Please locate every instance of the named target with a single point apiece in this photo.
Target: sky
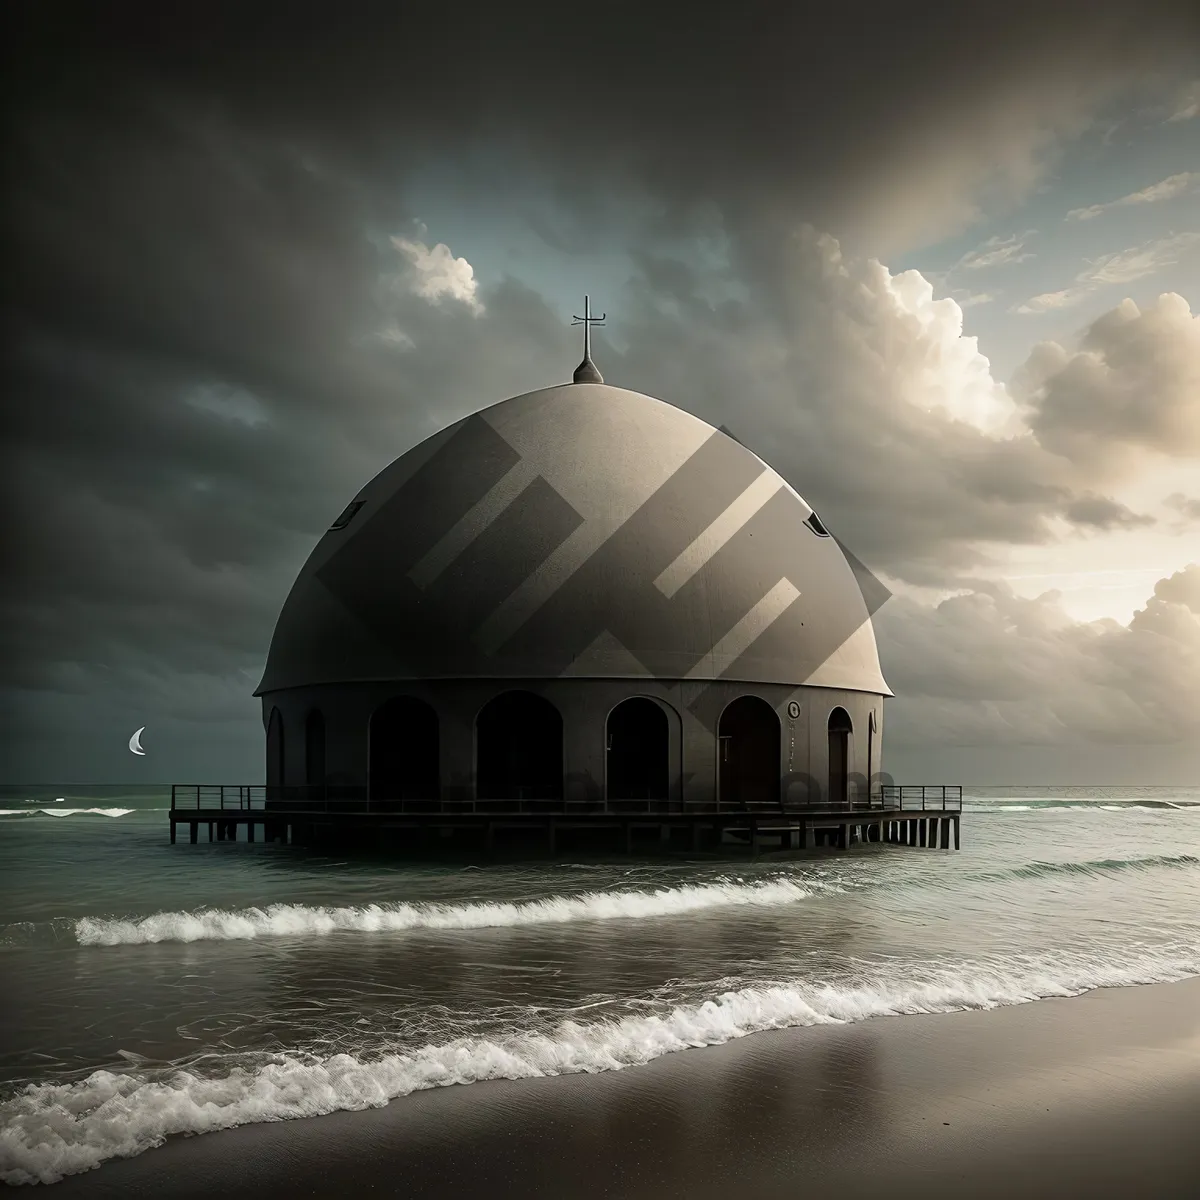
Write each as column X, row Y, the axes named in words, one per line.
column 938, row 264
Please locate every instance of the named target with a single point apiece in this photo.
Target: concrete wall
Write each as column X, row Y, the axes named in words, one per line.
column 693, row 711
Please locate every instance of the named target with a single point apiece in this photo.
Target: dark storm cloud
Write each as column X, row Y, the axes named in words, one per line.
column 1099, row 512
column 993, row 667
column 754, row 105
column 213, row 342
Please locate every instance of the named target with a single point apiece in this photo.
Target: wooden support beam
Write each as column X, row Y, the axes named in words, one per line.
column 250, row 831
column 172, row 833
column 956, row 841
column 193, row 831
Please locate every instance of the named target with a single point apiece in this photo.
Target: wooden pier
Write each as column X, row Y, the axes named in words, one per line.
column 922, row 816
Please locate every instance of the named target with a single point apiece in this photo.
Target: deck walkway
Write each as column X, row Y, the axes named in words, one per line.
column 914, row 816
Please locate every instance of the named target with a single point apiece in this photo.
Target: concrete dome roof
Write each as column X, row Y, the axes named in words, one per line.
column 581, row 530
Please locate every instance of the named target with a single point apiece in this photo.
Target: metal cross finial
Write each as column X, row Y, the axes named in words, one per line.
column 587, row 321
column 586, row 371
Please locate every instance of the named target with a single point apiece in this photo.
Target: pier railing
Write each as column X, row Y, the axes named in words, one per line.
column 334, row 798
column 923, row 796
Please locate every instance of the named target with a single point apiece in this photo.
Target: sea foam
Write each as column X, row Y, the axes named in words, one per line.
column 53, row 1130
column 65, row 812
column 288, row 920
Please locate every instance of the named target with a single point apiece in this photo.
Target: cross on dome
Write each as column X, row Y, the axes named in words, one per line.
column 586, row 372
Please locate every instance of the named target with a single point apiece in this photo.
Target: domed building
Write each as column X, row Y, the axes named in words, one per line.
column 578, row 594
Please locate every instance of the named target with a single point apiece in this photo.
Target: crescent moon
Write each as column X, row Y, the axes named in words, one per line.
column 134, row 744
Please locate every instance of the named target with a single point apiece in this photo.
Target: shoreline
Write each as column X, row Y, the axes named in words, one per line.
column 1095, row 1094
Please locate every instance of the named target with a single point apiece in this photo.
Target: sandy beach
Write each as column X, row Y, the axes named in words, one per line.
column 1097, row 1095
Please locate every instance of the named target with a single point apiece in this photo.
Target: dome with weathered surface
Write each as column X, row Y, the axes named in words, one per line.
column 581, row 530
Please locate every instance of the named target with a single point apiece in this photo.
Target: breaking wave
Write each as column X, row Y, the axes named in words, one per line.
column 1081, row 806
column 287, row 920
column 298, row 920
column 53, row 1130
column 1103, row 866
column 68, row 812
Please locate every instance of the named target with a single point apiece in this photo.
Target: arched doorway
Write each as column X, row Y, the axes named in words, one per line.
column 275, row 755
column 403, row 753
column 840, row 728
column 637, row 751
column 748, row 741
column 314, row 749
column 519, row 749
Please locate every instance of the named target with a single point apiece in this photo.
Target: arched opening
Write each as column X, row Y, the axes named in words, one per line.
column 403, row 754
column 840, row 728
column 748, row 741
column 519, row 749
column 637, row 751
column 314, row 748
column 275, row 757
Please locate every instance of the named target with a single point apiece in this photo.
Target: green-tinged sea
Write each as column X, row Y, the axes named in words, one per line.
column 152, row 989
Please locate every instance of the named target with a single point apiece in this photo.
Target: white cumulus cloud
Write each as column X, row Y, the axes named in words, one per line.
column 1133, row 384
column 439, row 274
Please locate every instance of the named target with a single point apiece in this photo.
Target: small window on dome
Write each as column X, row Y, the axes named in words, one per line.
column 347, row 516
column 814, row 523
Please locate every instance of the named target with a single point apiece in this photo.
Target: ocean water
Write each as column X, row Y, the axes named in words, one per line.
column 152, row 990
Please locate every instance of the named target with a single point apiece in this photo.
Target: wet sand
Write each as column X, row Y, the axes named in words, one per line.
column 1096, row 1096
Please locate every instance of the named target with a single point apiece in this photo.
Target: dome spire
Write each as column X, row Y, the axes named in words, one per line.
column 586, row 372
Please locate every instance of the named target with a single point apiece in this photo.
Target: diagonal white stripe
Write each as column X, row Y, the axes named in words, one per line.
column 472, row 523
column 718, row 533
column 743, row 635
column 558, row 567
